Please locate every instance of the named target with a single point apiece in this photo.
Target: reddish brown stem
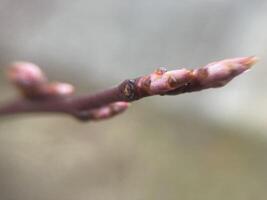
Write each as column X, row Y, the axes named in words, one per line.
column 40, row 96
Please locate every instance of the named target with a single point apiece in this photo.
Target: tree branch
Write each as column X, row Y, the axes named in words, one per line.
column 39, row 95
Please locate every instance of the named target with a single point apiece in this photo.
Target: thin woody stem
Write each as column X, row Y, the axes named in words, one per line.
column 40, row 96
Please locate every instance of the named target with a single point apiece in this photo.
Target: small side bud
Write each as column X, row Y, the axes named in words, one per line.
column 56, row 89
column 103, row 112
column 25, row 75
column 109, row 111
column 33, row 84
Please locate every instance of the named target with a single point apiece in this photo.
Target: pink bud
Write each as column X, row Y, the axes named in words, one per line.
column 159, row 83
column 109, row 110
column 25, row 74
column 56, row 89
column 219, row 73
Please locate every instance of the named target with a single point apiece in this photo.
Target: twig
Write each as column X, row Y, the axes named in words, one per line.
column 41, row 96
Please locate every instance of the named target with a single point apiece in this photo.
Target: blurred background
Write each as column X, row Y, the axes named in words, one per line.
column 206, row 145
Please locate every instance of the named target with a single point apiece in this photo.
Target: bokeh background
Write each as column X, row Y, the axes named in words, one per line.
column 206, row 145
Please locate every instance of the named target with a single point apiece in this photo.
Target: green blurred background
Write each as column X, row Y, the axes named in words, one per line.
column 207, row 145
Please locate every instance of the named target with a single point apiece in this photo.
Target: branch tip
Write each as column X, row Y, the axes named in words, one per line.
column 43, row 96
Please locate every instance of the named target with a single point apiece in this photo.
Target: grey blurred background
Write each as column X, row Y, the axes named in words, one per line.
column 206, row 145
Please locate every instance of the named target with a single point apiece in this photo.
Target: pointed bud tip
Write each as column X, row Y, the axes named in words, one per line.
column 248, row 61
column 241, row 64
